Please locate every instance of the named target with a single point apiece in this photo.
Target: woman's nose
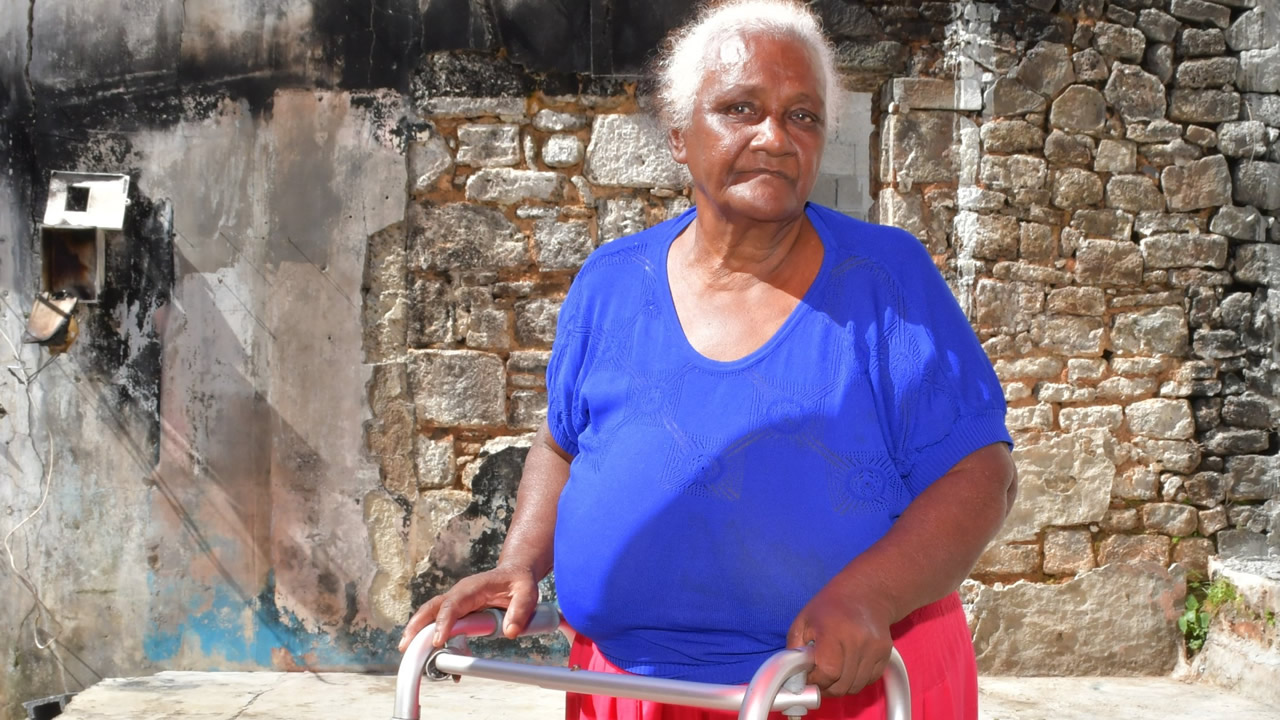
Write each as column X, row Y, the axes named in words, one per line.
column 771, row 136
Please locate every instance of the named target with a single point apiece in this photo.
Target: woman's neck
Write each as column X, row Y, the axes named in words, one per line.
column 726, row 254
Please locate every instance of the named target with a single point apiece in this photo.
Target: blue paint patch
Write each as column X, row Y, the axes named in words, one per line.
column 250, row 631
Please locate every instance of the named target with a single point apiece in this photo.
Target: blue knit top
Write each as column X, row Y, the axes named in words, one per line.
column 708, row 501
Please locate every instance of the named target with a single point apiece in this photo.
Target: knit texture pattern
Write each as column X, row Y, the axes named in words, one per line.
column 708, row 501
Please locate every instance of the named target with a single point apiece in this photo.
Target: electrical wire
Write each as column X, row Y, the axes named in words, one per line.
column 44, row 614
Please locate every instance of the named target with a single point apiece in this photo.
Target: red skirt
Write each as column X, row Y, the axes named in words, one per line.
column 934, row 643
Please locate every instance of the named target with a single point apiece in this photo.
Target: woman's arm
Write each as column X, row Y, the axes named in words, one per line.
column 526, row 554
column 927, row 553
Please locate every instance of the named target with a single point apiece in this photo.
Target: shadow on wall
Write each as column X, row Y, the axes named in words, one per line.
column 250, row 515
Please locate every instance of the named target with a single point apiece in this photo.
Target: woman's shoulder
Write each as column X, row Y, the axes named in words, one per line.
column 637, row 255
column 870, row 240
column 891, row 250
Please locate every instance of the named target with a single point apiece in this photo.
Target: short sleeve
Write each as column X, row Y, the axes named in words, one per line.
column 939, row 394
column 567, row 415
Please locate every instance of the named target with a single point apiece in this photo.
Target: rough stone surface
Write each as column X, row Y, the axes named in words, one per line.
column 552, row 121
column 1173, row 519
column 1013, row 172
column 1110, row 417
column 1063, row 480
column 1203, row 106
column 458, row 388
column 1079, row 627
column 1033, row 367
column 621, row 216
column 1105, row 262
column 1134, row 193
column 1158, row 26
column 1207, row 72
column 1076, row 301
column 1158, row 60
column 1045, row 69
column 1201, row 43
column 561, row 151
column 507, row 186
column 461, row 236
column 1073, row 188
column 435, row 462
column 1253, row 477
column 1257, row 183
column 1068, row 149
column 1243, row 544
column 1257, row 29
column 1156, row 331
column 1011, row 136
column 1135, row 549
column 1109, row 223
column 1067, row 552
column 1116, row 156
column 1243, row 139
column 1089, row 65
column 988, row 236
column 1001, row 559
column 1202, row 184
column 1167, row 251
column 1257, row 264
column 1164, row 418
column 488, row 145
column 1249, row 410
column 1201, row 11
column 1202, row 136
column 922, row 146
column 1034, row 417
column 536, row 321
column 1260, row 70
column 1177, row 152
column 428, row 161
column 1007, row 305
column 1079, row 108
column 631, row 151
column 562, row 245
column 1069, row 335
column 1117, row 41
column 1010, row 97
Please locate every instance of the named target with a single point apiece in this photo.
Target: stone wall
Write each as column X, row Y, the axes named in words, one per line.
column 373, row 212
column 1097, row 182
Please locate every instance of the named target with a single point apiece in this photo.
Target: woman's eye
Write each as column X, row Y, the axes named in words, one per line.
column 739, row 108
column 808, row 118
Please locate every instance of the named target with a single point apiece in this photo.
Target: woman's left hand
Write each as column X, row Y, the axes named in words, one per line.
column 850, row 635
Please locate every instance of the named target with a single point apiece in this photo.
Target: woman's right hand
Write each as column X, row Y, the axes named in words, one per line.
column 513, row 588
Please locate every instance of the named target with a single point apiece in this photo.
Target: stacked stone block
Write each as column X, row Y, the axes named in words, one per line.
column 1113, row 248
column 508, row 200
column 1096, row 180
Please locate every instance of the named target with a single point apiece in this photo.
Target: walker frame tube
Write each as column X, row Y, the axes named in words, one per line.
column 777, row 685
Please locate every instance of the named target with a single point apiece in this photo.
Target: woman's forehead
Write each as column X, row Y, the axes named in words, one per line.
column 737, row 61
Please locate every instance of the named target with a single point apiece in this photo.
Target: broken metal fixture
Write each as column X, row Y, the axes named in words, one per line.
column 52, row 322
column 47, row 708
column 83, row 209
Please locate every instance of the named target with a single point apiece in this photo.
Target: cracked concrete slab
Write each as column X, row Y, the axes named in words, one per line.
column 343, row 696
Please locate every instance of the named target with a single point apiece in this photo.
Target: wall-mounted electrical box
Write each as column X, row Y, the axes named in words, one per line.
column 83, row 210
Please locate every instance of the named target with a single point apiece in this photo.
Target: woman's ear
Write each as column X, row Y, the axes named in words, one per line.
column 675, row 141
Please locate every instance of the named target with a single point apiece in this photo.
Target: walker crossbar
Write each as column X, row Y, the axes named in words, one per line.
column 766, row 691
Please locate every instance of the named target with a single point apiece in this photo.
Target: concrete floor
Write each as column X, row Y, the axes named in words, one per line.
column 343, row 696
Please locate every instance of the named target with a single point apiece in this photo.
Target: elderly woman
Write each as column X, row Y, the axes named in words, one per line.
column 769, row 424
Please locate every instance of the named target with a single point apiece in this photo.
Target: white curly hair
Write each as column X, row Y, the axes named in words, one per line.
column 686, row 55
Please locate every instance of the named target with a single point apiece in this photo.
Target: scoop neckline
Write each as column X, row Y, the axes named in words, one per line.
column 803, row 306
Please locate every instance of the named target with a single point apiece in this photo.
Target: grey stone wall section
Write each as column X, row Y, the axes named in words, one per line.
column 1082, row 627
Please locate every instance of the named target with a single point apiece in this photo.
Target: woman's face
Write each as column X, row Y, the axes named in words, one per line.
column 758, row 129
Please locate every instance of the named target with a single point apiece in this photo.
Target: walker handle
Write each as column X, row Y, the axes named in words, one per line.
column 765, row 693
column 787, row 669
